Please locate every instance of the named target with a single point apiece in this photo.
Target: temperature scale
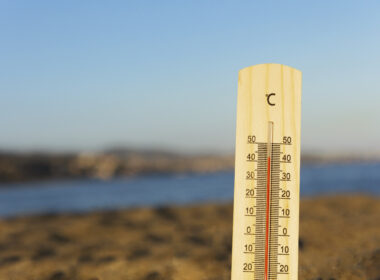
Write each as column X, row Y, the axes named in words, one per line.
column 267, row 167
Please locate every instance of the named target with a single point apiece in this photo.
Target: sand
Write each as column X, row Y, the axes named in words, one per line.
column 339, row 239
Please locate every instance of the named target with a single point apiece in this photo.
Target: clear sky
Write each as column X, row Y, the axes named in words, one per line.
column 85, row 75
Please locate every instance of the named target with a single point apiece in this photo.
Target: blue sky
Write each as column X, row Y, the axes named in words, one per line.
column 87, row 75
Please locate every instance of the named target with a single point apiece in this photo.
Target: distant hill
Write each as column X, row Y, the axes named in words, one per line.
column 19, row 167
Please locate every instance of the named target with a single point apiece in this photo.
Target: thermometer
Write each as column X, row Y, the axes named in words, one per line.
column 267, row 168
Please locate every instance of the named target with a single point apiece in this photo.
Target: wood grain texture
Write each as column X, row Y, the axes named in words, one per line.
column 267, row 93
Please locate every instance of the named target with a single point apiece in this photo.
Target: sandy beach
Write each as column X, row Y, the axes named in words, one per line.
column 339, row 239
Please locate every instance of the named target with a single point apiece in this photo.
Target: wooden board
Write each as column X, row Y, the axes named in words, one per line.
column 267, row 168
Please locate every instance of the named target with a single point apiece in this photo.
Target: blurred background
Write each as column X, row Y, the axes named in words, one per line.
column 117, row 125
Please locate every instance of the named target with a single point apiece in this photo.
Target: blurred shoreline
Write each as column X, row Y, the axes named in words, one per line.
column 186, row 242
column 26, row 167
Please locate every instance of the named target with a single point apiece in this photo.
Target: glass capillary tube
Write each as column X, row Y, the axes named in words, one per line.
column 268, row 194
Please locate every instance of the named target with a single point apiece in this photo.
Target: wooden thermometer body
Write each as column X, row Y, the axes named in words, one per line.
column 267, row 173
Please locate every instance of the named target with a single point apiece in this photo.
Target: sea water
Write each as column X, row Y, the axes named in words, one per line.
column 88, row 195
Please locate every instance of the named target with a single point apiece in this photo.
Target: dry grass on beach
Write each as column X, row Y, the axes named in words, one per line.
column 339, row 239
